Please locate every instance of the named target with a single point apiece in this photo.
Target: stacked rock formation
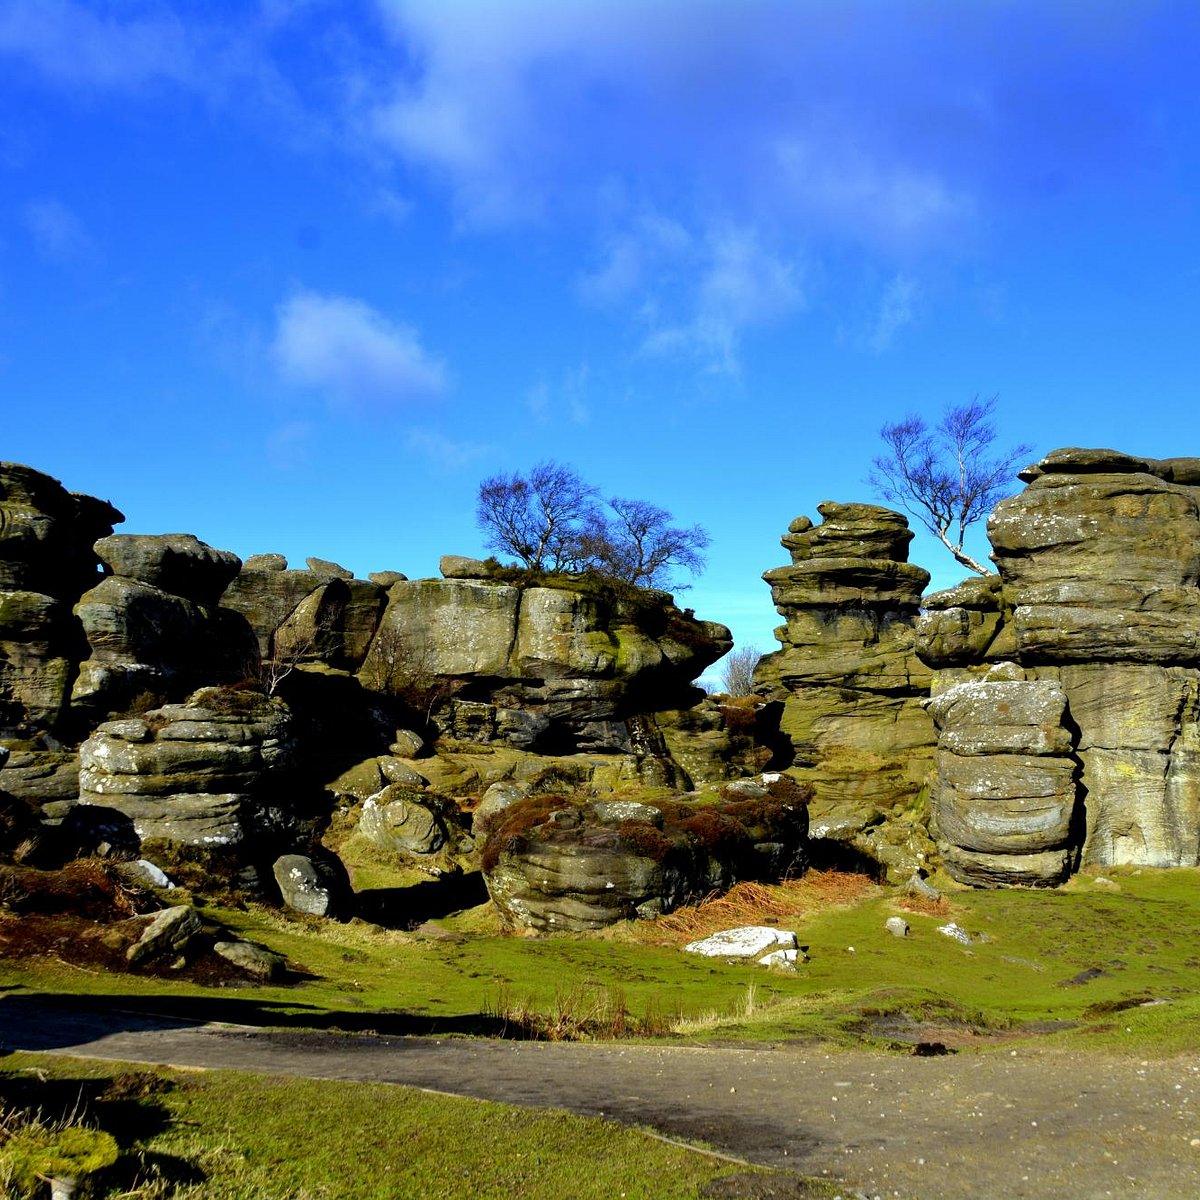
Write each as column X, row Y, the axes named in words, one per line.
column 46, row 563
column 558, row 668
column 155, row 625
column 849, row 678
column 1004, row 802
column 1099, row 562
column 208, row 778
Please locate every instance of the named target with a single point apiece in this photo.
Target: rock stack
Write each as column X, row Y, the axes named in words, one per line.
column 849, row 678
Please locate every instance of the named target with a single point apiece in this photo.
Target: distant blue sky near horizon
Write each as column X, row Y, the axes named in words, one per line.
column 295, row 276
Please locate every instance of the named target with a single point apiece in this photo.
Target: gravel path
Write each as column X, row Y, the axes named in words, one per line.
column 1025, row 1123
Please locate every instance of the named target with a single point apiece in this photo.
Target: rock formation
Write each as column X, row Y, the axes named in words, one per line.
column 46, row 563
column 555, row 668
column 849, row 679
column 207, row 780
column 155, row 625
column 1098, row 598
column 554, row 865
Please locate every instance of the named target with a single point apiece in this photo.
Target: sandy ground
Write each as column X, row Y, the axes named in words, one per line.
column 1001, row 1123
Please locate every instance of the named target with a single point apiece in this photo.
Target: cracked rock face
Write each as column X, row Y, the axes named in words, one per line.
column 547, row 668
column 1100, row 561
column 209, row 773
column 848, row 675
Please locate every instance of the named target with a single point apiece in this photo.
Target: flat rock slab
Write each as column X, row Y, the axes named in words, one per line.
column 750, row 941
column 967, row 1126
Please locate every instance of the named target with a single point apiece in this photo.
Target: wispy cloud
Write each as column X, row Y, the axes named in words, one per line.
column 290, row 446
column 445, row 452
column 566, row 401
column 57, row 232
column 73, row 43
column 353, row 353
column 897, row 308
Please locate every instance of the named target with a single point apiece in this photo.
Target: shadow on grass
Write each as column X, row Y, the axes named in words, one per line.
column 123, row 1105
column 408, row 907
column 43, row 1021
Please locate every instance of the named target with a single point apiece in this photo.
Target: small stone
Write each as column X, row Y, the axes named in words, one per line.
column 957, row 932
column 896, row 926
column 747, row 941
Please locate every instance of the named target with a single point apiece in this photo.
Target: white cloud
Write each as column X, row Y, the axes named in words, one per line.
column 443, row 451
column 731, row 284
column 57, row 232
column 897, row 309
column 359, row 357
column 72, row 43
column 568, row 400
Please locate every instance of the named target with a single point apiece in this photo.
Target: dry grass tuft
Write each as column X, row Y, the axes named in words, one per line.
column 763, row 904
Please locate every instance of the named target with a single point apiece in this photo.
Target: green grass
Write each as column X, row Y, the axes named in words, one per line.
column 241, row 1137
column 1126, row 942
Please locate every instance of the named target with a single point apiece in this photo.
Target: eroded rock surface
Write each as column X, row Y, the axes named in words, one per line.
column 551, row 864
column 848, row 676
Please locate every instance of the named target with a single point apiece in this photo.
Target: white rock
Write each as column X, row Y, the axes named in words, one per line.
column 896, row 926
column 749, row 941
column 957, row 932
column 782, row 959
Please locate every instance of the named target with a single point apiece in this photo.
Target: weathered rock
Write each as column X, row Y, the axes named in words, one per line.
column 147, row 641
column 321, row 616
column 551, row 865
column 457, row 566
column 717, row 740
column 215, row 774
column 178, row 563
column 403, row 821
column 256, row 961
column 896, row 926
column 385, row 579
column 552, row 669
column 46, row 563
column 1006, row 779
column 1100, row 559
column 318, row 886
column 170, row 933
column 848, row 675
column 747, row 941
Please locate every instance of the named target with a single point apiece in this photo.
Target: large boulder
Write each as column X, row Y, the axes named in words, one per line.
column 553, row 865
column 848, row 675
column 321, row 615
column 554, row 668
column 211, row 777
column 1005, row 798
column 46, row 563
column 155, row 627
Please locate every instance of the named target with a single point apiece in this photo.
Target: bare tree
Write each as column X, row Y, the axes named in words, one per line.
column 640, row 545
column 538, row 519
column 552, row 521
column 945, row 476
column 737, row 677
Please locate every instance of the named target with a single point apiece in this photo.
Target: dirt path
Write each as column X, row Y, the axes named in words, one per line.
column 1015, row 1124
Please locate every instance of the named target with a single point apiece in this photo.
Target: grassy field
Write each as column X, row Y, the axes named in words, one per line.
column 240, row 1137
column 1108, row 961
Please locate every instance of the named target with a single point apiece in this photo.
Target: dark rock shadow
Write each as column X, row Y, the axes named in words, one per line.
column 408, row 907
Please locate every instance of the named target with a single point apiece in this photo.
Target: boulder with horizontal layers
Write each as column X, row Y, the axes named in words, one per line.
column 554, row 667
column 848, row 676
column 46, row 563
column 213, row 774
column 554, row 865
column 1005, row 794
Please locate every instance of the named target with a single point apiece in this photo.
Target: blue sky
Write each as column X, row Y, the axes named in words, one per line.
column 296, row 276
